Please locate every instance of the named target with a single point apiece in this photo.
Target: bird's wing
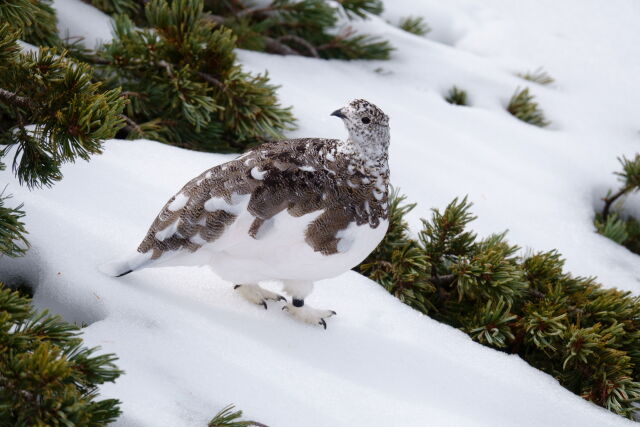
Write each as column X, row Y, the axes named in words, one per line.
column 297, row 175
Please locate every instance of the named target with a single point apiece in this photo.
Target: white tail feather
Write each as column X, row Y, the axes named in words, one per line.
column 125, row 265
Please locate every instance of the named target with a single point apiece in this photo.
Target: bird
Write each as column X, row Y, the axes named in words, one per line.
column 294, row 211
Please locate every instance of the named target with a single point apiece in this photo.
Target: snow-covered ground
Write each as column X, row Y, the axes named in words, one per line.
column 190, row 345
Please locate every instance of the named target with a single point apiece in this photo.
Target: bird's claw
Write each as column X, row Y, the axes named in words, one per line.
column 309, row 314
column 257, row 295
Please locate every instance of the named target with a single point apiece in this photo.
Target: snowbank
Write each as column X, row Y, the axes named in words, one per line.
column 190, row 345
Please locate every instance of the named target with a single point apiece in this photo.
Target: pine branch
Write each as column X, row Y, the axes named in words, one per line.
column 209, row 78
column 274, row 46
column 12, row 98
column 70, row 114
column 13, row 242
column 46, row 376
column 258, row 10
column 200, row 99
column 308, row 46
column 227, row 417
column 131, row 126
column 610, row 199
column 444, row 280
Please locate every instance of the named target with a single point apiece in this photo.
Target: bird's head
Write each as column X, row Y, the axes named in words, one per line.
column 367, row 125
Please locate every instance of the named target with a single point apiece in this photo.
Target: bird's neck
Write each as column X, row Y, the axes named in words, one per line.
column 373, row 154
column 367, row 159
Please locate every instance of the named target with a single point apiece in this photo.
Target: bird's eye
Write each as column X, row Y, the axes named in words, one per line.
column 366, row 120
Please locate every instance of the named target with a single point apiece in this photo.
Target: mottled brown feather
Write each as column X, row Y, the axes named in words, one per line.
column 299, row 175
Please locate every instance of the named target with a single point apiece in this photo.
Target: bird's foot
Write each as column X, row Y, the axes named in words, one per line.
column 309, row 314
column 258, row 295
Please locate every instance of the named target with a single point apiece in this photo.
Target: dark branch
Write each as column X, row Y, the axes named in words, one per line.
column 312, row 50
column 275, row 46
column 442, row 284
column 131, row 94
column 256, row 10
column 216, row 19
column 344, row 34
column 14, row 99
column 608, row 201
column 131, row 126
column 441, row 281
column 210, row 79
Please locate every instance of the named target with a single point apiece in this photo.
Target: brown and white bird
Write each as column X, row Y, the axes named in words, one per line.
column 294, row 211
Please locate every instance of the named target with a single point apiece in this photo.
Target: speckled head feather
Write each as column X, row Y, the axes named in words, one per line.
column 344, row 181
column 367, row 125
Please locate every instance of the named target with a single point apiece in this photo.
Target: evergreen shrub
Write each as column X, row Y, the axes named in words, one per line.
column 584, row 335
column 286, row 27
column 47, row 377
column 184, row 84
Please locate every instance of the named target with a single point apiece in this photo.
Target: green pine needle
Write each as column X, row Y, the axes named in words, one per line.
column 524, row 108
column 71, row 114
column 614, row 228
column 227, row 417
column 539, row 76
column 415, row 25
column 359, row 8
column 48, row 377
column 184, row 84
column 13, row 242
column 630, row 174
column 34, row 19
column 456, row 96
column 625, row 231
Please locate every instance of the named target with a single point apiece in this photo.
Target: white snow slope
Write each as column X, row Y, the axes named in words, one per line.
column 190, row 345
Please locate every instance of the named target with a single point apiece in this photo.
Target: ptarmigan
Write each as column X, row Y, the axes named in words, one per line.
column 294, row 211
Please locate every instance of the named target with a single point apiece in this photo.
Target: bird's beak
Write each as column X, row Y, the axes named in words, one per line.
column 338, row 113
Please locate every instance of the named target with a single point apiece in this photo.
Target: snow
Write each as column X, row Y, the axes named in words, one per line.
column 190, row 345
column 79, row 19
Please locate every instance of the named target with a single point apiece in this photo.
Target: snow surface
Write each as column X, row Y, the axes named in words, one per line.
column 189, row 344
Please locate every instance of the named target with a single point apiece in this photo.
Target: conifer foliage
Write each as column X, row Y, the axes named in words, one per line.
column 13, row 242
column 586, row 336
column 288, row 27
column 184, row 84
column 46, row 376
column 50, row 113
column 36, row 20
column 539, row 76
column 227, row 417
column 414, row 25
column 457, row 96
column 523, row 107
column 70, row 114
column 623, row 230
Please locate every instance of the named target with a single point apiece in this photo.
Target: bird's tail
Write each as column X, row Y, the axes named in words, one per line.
column 126, row 265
